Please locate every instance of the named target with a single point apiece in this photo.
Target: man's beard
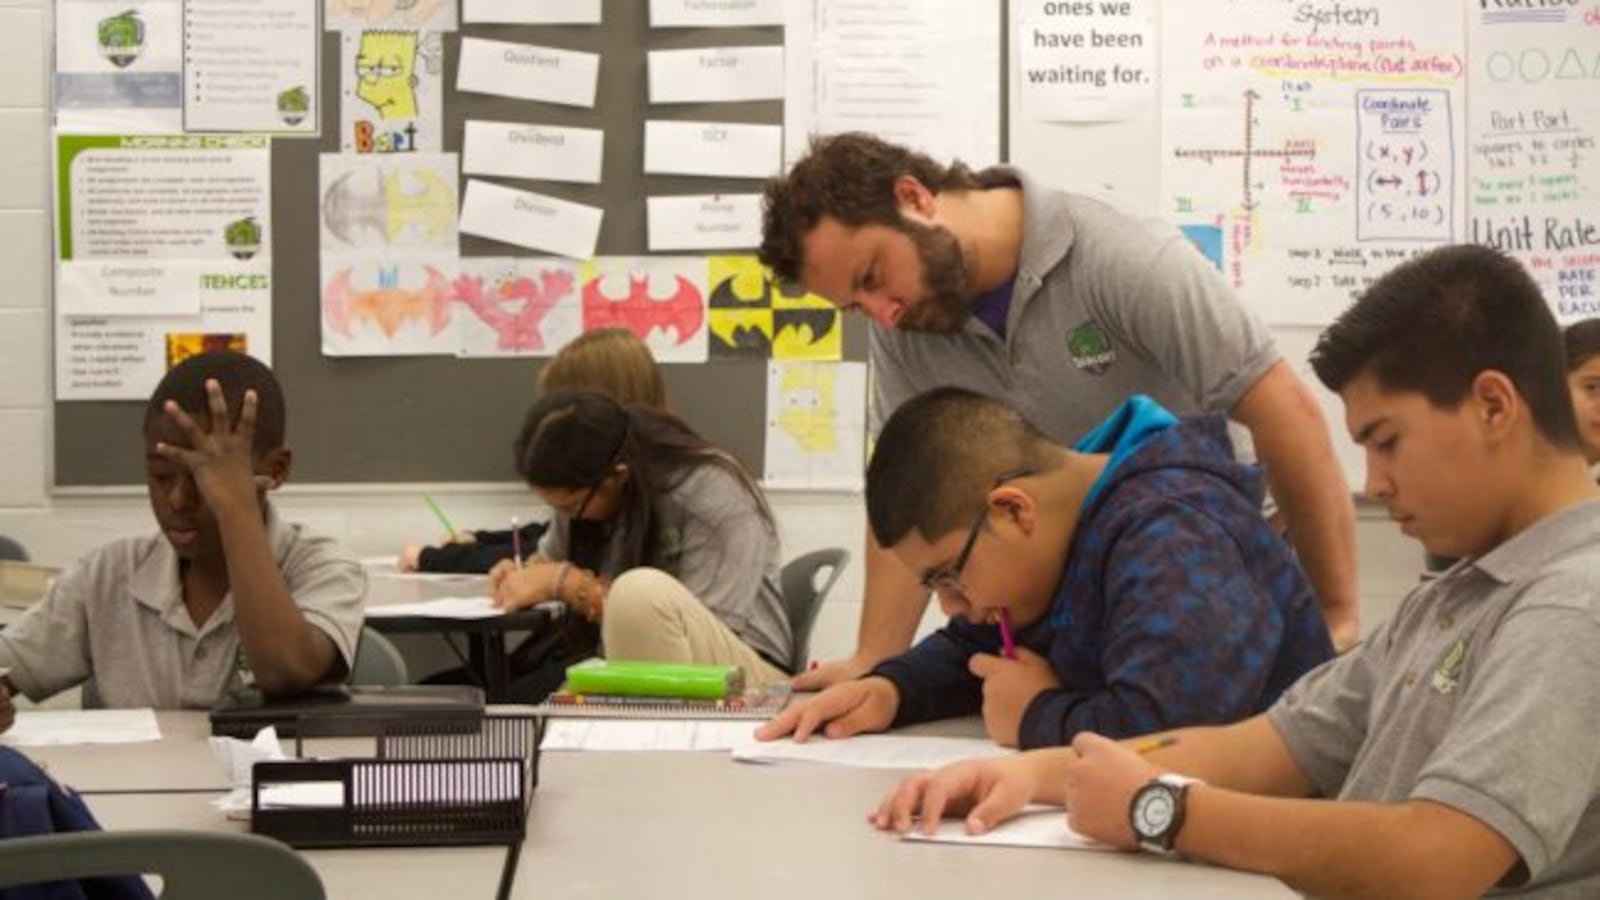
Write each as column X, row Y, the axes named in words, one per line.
column 945, row 305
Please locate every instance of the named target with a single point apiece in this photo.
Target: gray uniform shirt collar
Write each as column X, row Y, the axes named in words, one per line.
column 1047, row 232
column 1530, row 551
column 158, row 585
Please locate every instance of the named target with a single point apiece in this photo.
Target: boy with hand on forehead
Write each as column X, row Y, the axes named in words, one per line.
column 175, row 619
column 1142, row 585
column 1454, row 753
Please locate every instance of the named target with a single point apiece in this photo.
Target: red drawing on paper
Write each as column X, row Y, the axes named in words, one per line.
column 515, row 307
column 683, row 312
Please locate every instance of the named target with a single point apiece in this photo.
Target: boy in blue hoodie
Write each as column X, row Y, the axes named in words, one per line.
column 1133, row 571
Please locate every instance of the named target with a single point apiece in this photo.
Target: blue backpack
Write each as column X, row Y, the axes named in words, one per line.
column 32, row 804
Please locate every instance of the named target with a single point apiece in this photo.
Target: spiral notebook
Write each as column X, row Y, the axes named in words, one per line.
column 762, row 703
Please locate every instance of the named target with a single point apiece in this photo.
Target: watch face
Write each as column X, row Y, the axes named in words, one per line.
column 1153, row 812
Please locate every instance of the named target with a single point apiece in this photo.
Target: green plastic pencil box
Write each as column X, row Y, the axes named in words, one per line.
column 650, row 679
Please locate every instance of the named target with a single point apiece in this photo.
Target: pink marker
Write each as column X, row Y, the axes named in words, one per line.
column 1007, row 645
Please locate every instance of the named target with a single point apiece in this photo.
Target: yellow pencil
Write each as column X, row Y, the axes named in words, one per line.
column 1154, row 744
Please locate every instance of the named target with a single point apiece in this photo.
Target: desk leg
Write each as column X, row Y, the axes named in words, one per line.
column 489, row 652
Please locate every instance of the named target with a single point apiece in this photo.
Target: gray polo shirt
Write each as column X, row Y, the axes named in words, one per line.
column 1483, row 694
column 720, row 548
column 1105, row 306
column 115, row 622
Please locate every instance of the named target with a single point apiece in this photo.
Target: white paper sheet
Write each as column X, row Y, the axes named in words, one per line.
column 528, row 72
column 661, row 299
column 373, row 205
column 517, row 305
column 65, row 727
column 441, row 608
column 925, row 73
column 545, row 152
column 197, row 207
column 527, row 219
column 384, row 567
column 532, row 12
column 251, row 66
column 1035, row 826
column 716, row 74
column 704, row 222
column 129, row 287
column 816, row 425
column 1086, row 61
column 434, row 15
column 752, row 316
column 870, row 751
column 721, row 149
column 391, row 96
column 388, row 305
column 644, row 734
column 721, row 14
column 118, row 66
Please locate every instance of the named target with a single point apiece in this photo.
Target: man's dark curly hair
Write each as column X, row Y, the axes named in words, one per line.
column 850, row 177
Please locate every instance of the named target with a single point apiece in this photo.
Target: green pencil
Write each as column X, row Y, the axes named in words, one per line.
column 443, row 519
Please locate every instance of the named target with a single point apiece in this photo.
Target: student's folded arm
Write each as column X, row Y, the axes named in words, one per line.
column 1188, row 637
column 1345, row 850
column 932, row 677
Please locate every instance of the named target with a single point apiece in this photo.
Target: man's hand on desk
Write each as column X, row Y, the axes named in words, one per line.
column 828, row 674
column 855, row 707
column 984, row 791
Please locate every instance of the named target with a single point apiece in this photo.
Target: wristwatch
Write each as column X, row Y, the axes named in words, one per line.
column 1156, row 812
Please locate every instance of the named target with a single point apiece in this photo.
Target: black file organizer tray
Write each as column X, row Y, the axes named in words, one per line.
column 423, row 789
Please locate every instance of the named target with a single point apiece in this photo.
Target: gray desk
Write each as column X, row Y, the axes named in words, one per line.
column 180, row 761
column 457, row 873
column 694, row 826
column 487, row 659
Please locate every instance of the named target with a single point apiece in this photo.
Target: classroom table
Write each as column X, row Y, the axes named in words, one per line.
column 683, row 825
column 487, row 659
column 181, row 762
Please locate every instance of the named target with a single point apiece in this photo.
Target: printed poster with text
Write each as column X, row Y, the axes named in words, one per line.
column 164, row 250
column 1535, row 85
column 1307, row 148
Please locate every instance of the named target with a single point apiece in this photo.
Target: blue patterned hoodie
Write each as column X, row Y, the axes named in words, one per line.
column 1179, row 604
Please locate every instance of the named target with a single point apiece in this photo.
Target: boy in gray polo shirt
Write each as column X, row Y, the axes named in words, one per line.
column 1457, row 751
column 225, row 590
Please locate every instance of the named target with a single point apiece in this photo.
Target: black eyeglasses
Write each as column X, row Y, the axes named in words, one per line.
column 946, row 582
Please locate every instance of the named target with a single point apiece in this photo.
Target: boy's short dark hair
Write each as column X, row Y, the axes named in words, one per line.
column 236, row 373
column 938, row 457
column 850, row 177
column 1434, row 322
column 1582, row 342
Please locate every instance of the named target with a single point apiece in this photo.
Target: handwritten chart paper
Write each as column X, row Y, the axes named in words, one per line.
column 925, row 73
column 1535, row 87
column 1309, row 151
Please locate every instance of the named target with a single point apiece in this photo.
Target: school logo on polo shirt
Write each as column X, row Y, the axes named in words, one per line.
column 1090, row 349
column 1447, row 674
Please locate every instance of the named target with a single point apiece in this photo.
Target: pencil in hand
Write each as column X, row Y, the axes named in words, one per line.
column 443, row 519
